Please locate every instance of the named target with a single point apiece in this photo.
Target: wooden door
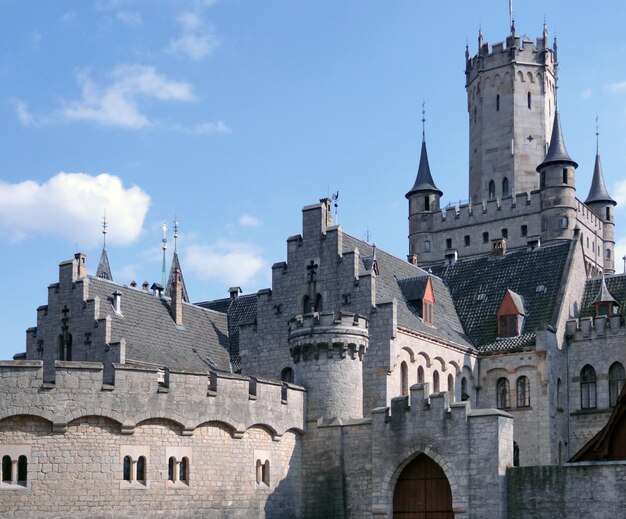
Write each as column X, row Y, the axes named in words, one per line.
column 422, row 492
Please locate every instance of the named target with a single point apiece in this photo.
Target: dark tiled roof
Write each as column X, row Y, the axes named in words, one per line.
column 394, row 272
column 413, row 288
column 424, row 180
column 479, row 284
column 598, row 191
column 616, row 285
column 239, row 310
column 556, row 151
column 152, row 336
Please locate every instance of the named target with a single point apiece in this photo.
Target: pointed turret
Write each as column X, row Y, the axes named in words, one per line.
column 598, row 191
column 557, row 153
column 604, row 302
column 169, row 291
column 104, row 269
column 424, row 181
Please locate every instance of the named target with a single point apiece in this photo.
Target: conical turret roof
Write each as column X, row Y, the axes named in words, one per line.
column 170, row 281
column 604, row 296
column 598, row 192
column 104, row 269
column 424, row 180
column 557, row 151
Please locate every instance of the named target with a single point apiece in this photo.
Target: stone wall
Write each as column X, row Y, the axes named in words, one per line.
column 595, row 490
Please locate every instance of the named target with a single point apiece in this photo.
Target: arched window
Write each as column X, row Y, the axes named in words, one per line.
column 171, row 468
column 183, row 470
column 306, row 305
column 435, row 381
column 259, row 472
column 420, row 375
column 404, row 379
column 515, row 454
column 426, row 245
column 286, row 375
column 523, row 392
column 263, row 472
column 450, row 388
column 127, row 468
column 505, row 186
column 266, row 472
column 22, row 470
column 503, row 397
column 616, row 382
column 529, row 100
column 141, row 468
column 492, row 189
column 464, row 394
column 318, row 303
column 498, row 103
column 588, row 387
column 427, row 203
column 6, row 468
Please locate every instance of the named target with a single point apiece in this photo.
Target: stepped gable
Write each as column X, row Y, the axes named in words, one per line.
column 152, row 336
column 479, row 284
column 616, row 286
column 394, row 274
column 238, row 310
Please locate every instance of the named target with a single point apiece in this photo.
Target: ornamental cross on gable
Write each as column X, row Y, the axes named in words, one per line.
column 312, row 271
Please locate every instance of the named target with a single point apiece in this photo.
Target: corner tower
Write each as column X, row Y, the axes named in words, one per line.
column 510, row 100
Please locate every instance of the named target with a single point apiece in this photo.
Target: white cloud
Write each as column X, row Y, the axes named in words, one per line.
column 68, row 17
column 229, row 262
column 71, row 205
column 117, row 104
column 619, row 194
column 130, row 18
column 616, row 87
column 249, row 221
column 23, row 113
column 194, row 42
column 212, row 127
column 586, row 94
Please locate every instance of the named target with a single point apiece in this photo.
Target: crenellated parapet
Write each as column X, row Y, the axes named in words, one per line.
column 327, row 349
column 137, row 394
column 594, row 327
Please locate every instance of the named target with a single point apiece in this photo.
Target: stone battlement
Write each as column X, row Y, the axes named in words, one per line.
column 593, row 327
column 141, row 393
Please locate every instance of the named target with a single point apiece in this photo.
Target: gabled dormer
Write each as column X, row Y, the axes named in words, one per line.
column 511, row 314
column 420, row 296
column 605, row 303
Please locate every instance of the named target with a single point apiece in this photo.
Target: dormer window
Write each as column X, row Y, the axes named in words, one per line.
column 605, row 303
column 510, row 315
column 420, row 297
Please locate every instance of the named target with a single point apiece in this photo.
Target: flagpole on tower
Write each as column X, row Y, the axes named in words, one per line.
column 511, row 23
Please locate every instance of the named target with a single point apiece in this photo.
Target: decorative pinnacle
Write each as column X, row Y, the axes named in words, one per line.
column 423, row 121
column 176, row 223
column 164, row 240
column 597, row 136
column 104, row 230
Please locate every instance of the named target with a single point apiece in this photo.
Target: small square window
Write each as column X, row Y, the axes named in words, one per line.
column 448, row 243
column 485, row 237
column 426, row 245
column 524, row 230
column 564, row 222
column 467, row 240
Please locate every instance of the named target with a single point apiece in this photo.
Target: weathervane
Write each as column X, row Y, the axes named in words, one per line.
column 176, row 223
column 164, row 247
column 597, row 135
column 104, row 230
column 424, row 121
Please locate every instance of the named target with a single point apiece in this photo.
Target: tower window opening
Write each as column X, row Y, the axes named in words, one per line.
column 505, row 234
column 450, row 388
column 464, row 394
column 6, row 469
column 543, row 180
column 588, row 387
column 529, row 100
column 492, row 190
column 505, row 187
column 485, row 237
column 141, row 468
column 498, row 103
column 523, row 392
column 524, row 230
column 426, row 245
column 286, row 375
column 420, row 375
column 608, row 214
column 467, row 240
column 564, row 175
column 564, row 222
column 503, row 394
column 126, row 469
column 608, row 254
column 427, row 203
column 616, row 382
column 404, row 379
column 515, row 454
column 436, row 381
column 448, row 243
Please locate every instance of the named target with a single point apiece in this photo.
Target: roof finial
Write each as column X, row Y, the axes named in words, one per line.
column 104, row 229
column 480, row 37
column 545, row 32
column 511, row 19
column 423, row 121
column 597, row 136
column 176, row 223
column 164, row 247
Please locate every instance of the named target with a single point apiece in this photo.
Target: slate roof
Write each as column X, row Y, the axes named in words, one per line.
column 598, row 191
column 238, row 310
column 616, row 285
column 394, row 276
column 479, row 284
column 153, row 338
column 424, row 180
column 556, row 151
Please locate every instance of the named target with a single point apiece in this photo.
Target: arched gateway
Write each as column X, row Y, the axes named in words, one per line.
column 422, row 491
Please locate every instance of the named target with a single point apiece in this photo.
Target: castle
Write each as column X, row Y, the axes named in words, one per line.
column 482, row 378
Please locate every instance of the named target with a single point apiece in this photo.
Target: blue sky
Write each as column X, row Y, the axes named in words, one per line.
column 234, row 114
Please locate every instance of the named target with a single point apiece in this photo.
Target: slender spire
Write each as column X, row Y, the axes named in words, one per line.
column 104, row 269
column 545, row 33
column 164, row 247
column 557, row 151
column 598, row 191
column 175, row 270
column 480, row 39
column 604, row 296
column 424, row 180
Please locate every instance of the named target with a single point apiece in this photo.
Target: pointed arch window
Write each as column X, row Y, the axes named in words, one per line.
column 588, row 388
column 171, row 468
column 523, row 391
column 183, row 470
column 616, row 382
column 505, row 186
column 450, row 388
column 464, row 394
column 6, row 469
column 435, row 381
column 127, row 468
column 503, row 394
column 420, row 375
column 404, row 379
column 307, row 307
column 141, row 468
column 318, row 303
column 286, row 375
column 492, row 190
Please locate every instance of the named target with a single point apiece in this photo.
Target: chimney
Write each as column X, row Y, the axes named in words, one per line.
column 157, row 290
column 133, row 284
column 234, row 292
column 81, row 259
column 144, row 286
column 177, row 299
column 412, row 259
column 451, row 256
column 326, row 208
column 533, row 242
column 117, row 302
column 499, row 247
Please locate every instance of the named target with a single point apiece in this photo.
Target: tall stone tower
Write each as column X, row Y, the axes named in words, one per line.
column 511, row 101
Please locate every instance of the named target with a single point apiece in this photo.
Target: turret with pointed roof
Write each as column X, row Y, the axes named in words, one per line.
column 424, row 182
column 598, row 191
column 557, row 153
